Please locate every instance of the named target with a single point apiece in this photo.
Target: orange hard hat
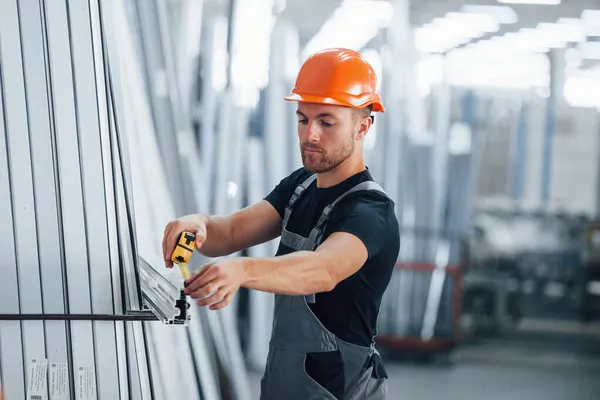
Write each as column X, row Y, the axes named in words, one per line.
column 338, row 77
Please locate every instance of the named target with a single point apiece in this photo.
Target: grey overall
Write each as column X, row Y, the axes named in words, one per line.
column 297, row 331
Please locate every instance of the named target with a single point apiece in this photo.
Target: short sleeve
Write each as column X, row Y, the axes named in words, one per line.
column 366, row 218
column 281, row 194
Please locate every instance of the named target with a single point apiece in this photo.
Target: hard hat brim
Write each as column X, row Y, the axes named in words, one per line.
column 309, row 98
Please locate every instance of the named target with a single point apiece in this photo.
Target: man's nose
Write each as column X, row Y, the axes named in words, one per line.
column 314, row 134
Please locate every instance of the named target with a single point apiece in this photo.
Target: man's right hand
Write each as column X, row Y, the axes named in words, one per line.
column 195, row 223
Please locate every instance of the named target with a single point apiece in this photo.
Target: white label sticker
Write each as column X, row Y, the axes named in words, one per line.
column 59, row 381
column 36, row 384
column 86, row 383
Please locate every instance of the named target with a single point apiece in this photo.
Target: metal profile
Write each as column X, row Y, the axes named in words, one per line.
column 19, row 167
column 162, row 296
column 104, row 126
column 11, row 355
column 94, row 204
column 71, row 207
column 45, row 184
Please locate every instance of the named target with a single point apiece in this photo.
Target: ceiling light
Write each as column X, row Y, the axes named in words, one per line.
column 502, row 14
column 590, row 19
column 589, row 50
column 453, row 30
column 353, row 24
column 538, row 2
column 543, row 37
column 471, row 22
column 562, row 32
column 582, row 91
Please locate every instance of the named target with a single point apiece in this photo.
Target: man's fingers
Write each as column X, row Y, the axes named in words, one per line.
column 200, row 237
column 223, row 303
column 215, row 297
column 202, row 277
column 198, row 272
column 207, row 290
column 164, row 243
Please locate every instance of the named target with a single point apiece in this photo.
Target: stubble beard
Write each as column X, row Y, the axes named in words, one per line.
column 322, row 162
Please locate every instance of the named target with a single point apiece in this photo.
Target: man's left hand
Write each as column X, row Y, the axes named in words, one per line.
column 215, row 283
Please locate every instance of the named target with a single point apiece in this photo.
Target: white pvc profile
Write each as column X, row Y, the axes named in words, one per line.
column 198, row 343
column 275, row 113
column 45, row 190
column 94, row 202
column 122, row 185
column 181, row 135
column 168, row 361
column 137, row 358
column 139, row 374
column 104, row 126
column 11, row 354
column 158, row 88
column 226, row 321
column 188, row 49
column 261, row 303
column 158, row 389
column 21, row 178
column 72, row 208
column 208, row 108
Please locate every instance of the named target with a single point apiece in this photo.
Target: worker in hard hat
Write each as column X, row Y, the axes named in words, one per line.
column 339, row 243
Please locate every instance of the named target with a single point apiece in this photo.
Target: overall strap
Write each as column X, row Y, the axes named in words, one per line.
column 297, row 193
column 317, row 232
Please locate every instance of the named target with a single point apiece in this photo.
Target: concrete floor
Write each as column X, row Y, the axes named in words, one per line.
column 492, row 382
column 524, row 366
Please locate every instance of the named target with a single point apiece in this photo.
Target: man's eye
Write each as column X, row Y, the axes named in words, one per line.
column 302, row 121
column 326, row 124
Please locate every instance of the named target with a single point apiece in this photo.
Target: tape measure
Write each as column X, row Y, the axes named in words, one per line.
column 183, row 252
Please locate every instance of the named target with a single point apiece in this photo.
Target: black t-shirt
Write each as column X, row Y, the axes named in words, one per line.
column 350, row 310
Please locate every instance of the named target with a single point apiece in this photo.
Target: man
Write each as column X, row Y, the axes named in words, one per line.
column 339, row 243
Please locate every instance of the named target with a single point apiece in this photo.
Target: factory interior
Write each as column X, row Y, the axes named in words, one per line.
column 118, row 117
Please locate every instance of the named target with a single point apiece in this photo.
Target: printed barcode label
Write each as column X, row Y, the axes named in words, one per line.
column 86, row 383
column 36, row 379
column 57, row 385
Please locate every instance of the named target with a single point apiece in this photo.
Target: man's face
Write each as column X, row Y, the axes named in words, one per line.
column 328, row 135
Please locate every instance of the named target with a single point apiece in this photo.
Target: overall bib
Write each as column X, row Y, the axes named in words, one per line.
column 297, row 332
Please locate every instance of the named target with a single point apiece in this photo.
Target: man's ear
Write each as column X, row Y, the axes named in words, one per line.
column 363, row 128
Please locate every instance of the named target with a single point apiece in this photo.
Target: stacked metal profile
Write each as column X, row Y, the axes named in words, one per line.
column 431, row 184
column 84, row 197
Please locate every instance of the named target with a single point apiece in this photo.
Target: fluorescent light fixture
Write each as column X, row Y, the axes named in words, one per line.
column 542, row 37
column 590, row 19
column 590, row 16
column 472, row 22
column 495, row 64
column 537, row 2
column 252, row 41
column 589, row 50
column 453, row 30
column 502, row 14
column 353, row 24
column 583, row 91
column 561, row 33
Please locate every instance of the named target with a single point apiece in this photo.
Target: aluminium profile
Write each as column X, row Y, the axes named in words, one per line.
column 164, row 299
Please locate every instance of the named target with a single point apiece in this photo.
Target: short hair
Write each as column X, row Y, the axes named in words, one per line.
column 364, row 111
